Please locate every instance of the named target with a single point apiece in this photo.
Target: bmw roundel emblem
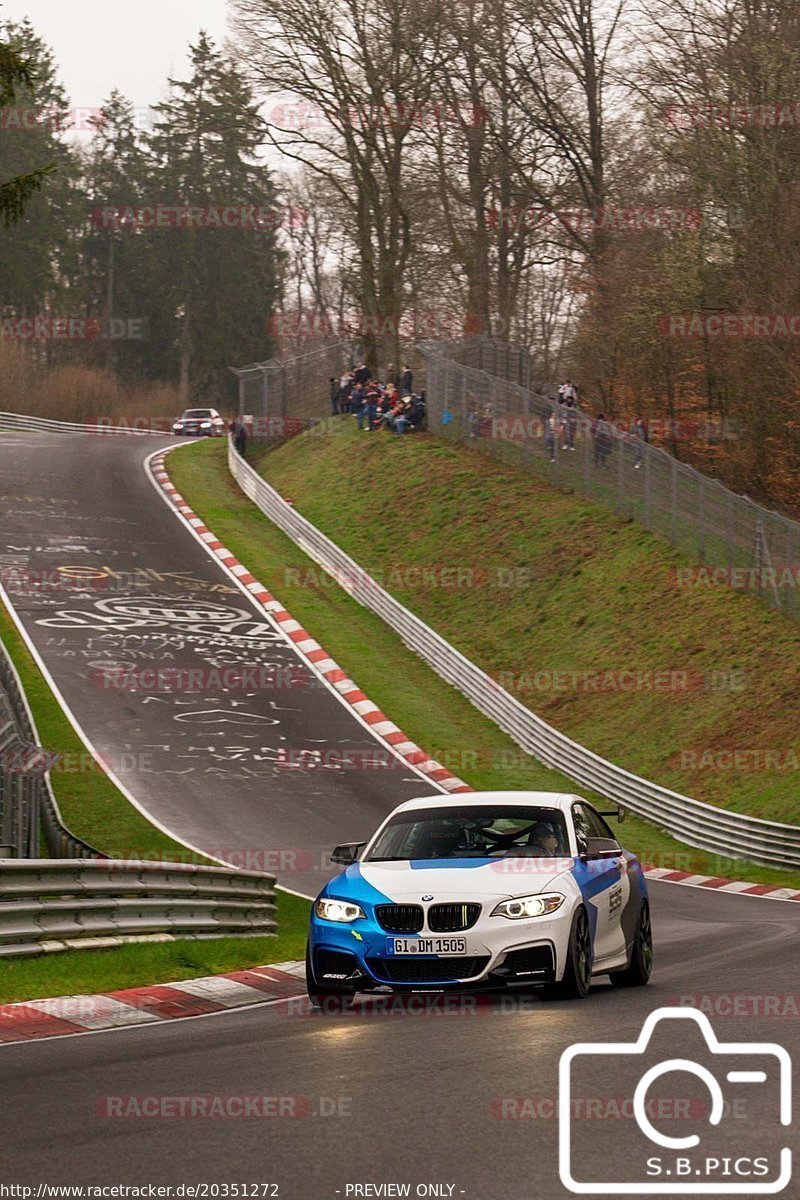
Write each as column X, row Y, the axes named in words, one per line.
column 427, row 897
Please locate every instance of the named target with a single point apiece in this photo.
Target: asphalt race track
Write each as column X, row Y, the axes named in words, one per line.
column 458, row 1096
column 110, row 585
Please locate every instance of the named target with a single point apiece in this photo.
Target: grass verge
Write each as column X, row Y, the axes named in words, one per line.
column 340, row 493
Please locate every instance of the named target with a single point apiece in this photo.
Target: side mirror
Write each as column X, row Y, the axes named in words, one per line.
column 346, row 854
column 618, row 814
column 599, row 847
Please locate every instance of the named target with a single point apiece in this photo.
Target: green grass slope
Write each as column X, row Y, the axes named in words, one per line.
column 558, row 588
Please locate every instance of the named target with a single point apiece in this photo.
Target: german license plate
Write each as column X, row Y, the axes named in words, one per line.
column 442, row 946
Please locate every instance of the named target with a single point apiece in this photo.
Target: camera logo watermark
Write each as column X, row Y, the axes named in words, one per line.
column 657, row 1163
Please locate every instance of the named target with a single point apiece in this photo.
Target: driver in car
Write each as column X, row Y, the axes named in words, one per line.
column 544, row 840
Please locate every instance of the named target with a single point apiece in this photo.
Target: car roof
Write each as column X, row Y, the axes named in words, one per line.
column 559, row 800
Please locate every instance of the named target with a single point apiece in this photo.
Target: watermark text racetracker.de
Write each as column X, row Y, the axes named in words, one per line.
column 744, row 578
column 681, row 681
column 168, row 678
column 400, row 575
column 228, row 1106
column 729, row 325
column 48, row 328
column 252, row 217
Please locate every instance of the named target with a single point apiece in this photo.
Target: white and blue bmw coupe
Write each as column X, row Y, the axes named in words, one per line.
column 482, row 890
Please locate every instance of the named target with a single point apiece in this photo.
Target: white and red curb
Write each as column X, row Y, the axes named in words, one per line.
column 718, row 883
column 59, row 1017
column 317, row 658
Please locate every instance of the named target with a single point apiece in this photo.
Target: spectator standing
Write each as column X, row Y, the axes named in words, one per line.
column 407, row 382
column 602, row 441
column 569, row 423
column 334, row 390
column 550, row 435
column 239, row 437
column 357, row 404
column 639, row 436
column 345, row 388
column 362, row 374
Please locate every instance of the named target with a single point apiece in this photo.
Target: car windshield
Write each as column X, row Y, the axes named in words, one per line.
column 191, row 413
column 472, row 831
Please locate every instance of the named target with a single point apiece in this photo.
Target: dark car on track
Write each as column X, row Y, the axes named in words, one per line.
column 199, row 422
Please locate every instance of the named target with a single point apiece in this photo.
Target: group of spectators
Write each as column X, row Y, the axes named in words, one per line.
column 564, row 424
column 391, row 404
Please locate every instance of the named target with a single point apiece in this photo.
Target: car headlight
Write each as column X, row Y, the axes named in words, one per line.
column 177, row 425
column 529, row 906
column 338, row 910
column 205, row 424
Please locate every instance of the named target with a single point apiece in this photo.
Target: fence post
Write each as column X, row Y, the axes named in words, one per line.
column 556, row 419
column 648, row 490
column 793, row 580
column 701, row 519
column 620, row 470
column 673, row 489
column 587, row 455
column 265, row 395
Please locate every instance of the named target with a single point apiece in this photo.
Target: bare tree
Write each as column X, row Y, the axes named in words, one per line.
column 359, row 76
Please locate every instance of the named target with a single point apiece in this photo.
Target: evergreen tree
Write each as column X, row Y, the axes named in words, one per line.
column 15, row 74
column 221, row 282
column 35, row 242
column 119, row 271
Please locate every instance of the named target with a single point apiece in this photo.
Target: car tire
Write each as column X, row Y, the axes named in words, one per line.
column 330, row 999
column 577, row 978
column 640, row 965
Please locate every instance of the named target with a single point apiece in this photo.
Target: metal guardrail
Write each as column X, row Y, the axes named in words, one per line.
column 22, row 423
column 27, row 802
column 48, row 905
column 739, row 542
column 692, row 821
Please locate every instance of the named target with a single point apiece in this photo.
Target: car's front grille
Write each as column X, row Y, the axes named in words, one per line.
column 427, row 970
column 400, row 918
column 532, row 962
column 449, row 918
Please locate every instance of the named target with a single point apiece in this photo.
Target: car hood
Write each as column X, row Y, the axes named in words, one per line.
column 448, row 879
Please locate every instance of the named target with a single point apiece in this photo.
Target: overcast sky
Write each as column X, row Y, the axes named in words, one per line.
column 100, row 45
